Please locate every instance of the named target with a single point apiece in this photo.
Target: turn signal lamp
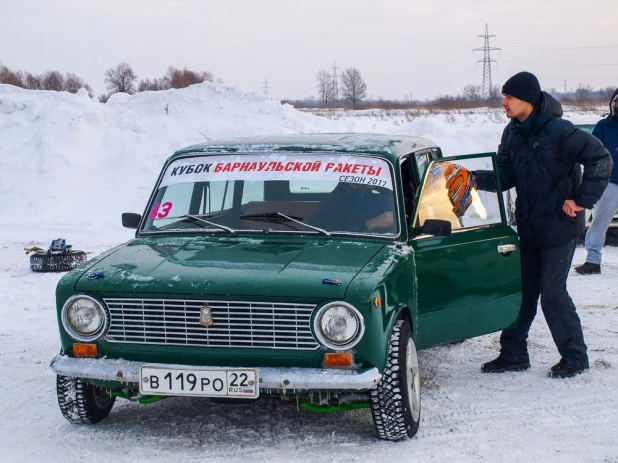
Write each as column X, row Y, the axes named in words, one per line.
column 337, row 360
column 85, row 350
column 377, row 301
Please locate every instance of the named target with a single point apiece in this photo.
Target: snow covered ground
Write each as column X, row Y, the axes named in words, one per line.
column 69, row 166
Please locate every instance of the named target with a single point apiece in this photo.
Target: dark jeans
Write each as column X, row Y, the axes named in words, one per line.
column 544, row 273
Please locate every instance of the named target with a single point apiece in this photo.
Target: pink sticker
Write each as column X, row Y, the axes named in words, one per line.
column 165, row 209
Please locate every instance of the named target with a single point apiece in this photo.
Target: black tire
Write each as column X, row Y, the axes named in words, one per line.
column 396, row 400
column 81, row 402
column 43, row 262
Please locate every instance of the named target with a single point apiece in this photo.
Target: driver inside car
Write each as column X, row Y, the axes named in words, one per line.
column 358, row 208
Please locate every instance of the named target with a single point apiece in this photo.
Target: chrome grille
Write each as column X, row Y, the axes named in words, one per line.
column 260, row 325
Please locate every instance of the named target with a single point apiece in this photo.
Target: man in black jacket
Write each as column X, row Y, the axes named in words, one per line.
column 540, row 155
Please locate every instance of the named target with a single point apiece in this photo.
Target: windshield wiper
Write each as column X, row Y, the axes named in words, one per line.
column 214, row 224
column 199, row 219
column 278, row 217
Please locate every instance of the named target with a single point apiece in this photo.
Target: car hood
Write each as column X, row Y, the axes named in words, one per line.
column 263, row 268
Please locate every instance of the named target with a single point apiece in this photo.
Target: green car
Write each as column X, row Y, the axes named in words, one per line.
column 311, row 266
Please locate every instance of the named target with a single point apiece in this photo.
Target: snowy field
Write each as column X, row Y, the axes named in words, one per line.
column 69, row 166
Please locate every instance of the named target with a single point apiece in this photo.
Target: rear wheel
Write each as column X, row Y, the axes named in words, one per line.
column 81, row 402
column 396, row 400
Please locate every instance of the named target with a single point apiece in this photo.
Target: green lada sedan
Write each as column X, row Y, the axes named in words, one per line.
column 306, row 266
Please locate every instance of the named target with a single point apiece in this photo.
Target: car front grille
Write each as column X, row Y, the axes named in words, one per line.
column 259, row 325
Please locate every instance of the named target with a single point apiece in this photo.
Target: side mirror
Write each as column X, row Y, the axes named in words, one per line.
column 436, row 227
column 130, row 220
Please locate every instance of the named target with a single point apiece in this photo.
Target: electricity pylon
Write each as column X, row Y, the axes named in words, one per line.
column 486, row 86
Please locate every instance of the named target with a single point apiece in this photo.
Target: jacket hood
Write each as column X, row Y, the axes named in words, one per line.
column 612, row 102
column 268, row 268
column 548, row 109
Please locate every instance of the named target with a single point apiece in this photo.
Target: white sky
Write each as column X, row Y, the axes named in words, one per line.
column 420, row 47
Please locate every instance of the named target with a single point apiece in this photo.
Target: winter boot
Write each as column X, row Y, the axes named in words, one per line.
column 566, row 369
column 501, row 365
column 588, row 269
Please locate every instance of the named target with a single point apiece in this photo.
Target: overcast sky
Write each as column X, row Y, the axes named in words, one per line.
column 402, row 47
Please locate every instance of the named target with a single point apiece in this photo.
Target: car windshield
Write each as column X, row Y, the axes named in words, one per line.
column 323, row 194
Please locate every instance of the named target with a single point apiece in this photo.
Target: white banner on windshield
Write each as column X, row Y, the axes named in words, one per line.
column 364, row 170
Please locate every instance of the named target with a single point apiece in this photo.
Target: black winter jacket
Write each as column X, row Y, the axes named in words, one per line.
column 540, row 158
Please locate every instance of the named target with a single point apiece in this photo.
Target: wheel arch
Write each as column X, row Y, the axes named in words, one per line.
column 405, row 313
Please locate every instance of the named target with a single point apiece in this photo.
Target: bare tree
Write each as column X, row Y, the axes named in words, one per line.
column 582, row 93
column 495, row 95
column 33, row 82
column 53, row 80
column 9, row 77
column 152, row 85
column 354, row 88
column 72, row 83
column 326, row 90
column 607, row 92
column 177, row 78
column 120, row 79
column 472, row 93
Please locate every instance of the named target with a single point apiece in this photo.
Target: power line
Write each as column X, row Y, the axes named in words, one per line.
column 520, row 58
column 554, row 47
column 487, row 85
column 265, row 88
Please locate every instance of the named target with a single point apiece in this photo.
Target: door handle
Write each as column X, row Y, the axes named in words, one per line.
column 506, row 248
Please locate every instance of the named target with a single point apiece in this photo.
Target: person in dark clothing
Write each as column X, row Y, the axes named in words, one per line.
column 606, row 130
column 540, row 155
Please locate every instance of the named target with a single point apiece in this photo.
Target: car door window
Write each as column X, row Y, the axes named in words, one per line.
column 450, row 193
column 422, row 161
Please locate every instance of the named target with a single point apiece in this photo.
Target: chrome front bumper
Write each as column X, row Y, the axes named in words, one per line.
column 295, row 379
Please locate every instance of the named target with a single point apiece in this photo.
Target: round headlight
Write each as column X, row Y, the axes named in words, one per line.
column 339, row 325
column 84, row 318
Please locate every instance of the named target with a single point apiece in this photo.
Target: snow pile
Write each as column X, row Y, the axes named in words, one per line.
column 65, row 157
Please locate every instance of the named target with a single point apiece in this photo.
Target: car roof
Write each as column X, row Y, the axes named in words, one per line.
column 389, row 146
column 587, row 127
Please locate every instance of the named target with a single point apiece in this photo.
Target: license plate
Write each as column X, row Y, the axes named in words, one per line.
column 212, row 382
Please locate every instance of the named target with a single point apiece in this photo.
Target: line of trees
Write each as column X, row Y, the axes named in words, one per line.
column 471, row 96
column 586, row 93
column 50, row 80
column 353, row 88
column 122, row 78
column 349, row 89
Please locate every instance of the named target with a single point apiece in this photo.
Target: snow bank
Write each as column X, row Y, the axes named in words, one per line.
column 64, row 157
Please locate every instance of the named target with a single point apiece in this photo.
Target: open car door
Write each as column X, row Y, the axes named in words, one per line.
column 466, row 254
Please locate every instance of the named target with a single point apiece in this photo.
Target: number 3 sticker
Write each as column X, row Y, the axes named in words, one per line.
column 161, row 211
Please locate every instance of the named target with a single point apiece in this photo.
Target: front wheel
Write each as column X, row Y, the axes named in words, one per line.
column 396, row 400
column 81, row 402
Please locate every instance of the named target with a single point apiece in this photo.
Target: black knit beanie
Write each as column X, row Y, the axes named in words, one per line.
column 524, row 86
